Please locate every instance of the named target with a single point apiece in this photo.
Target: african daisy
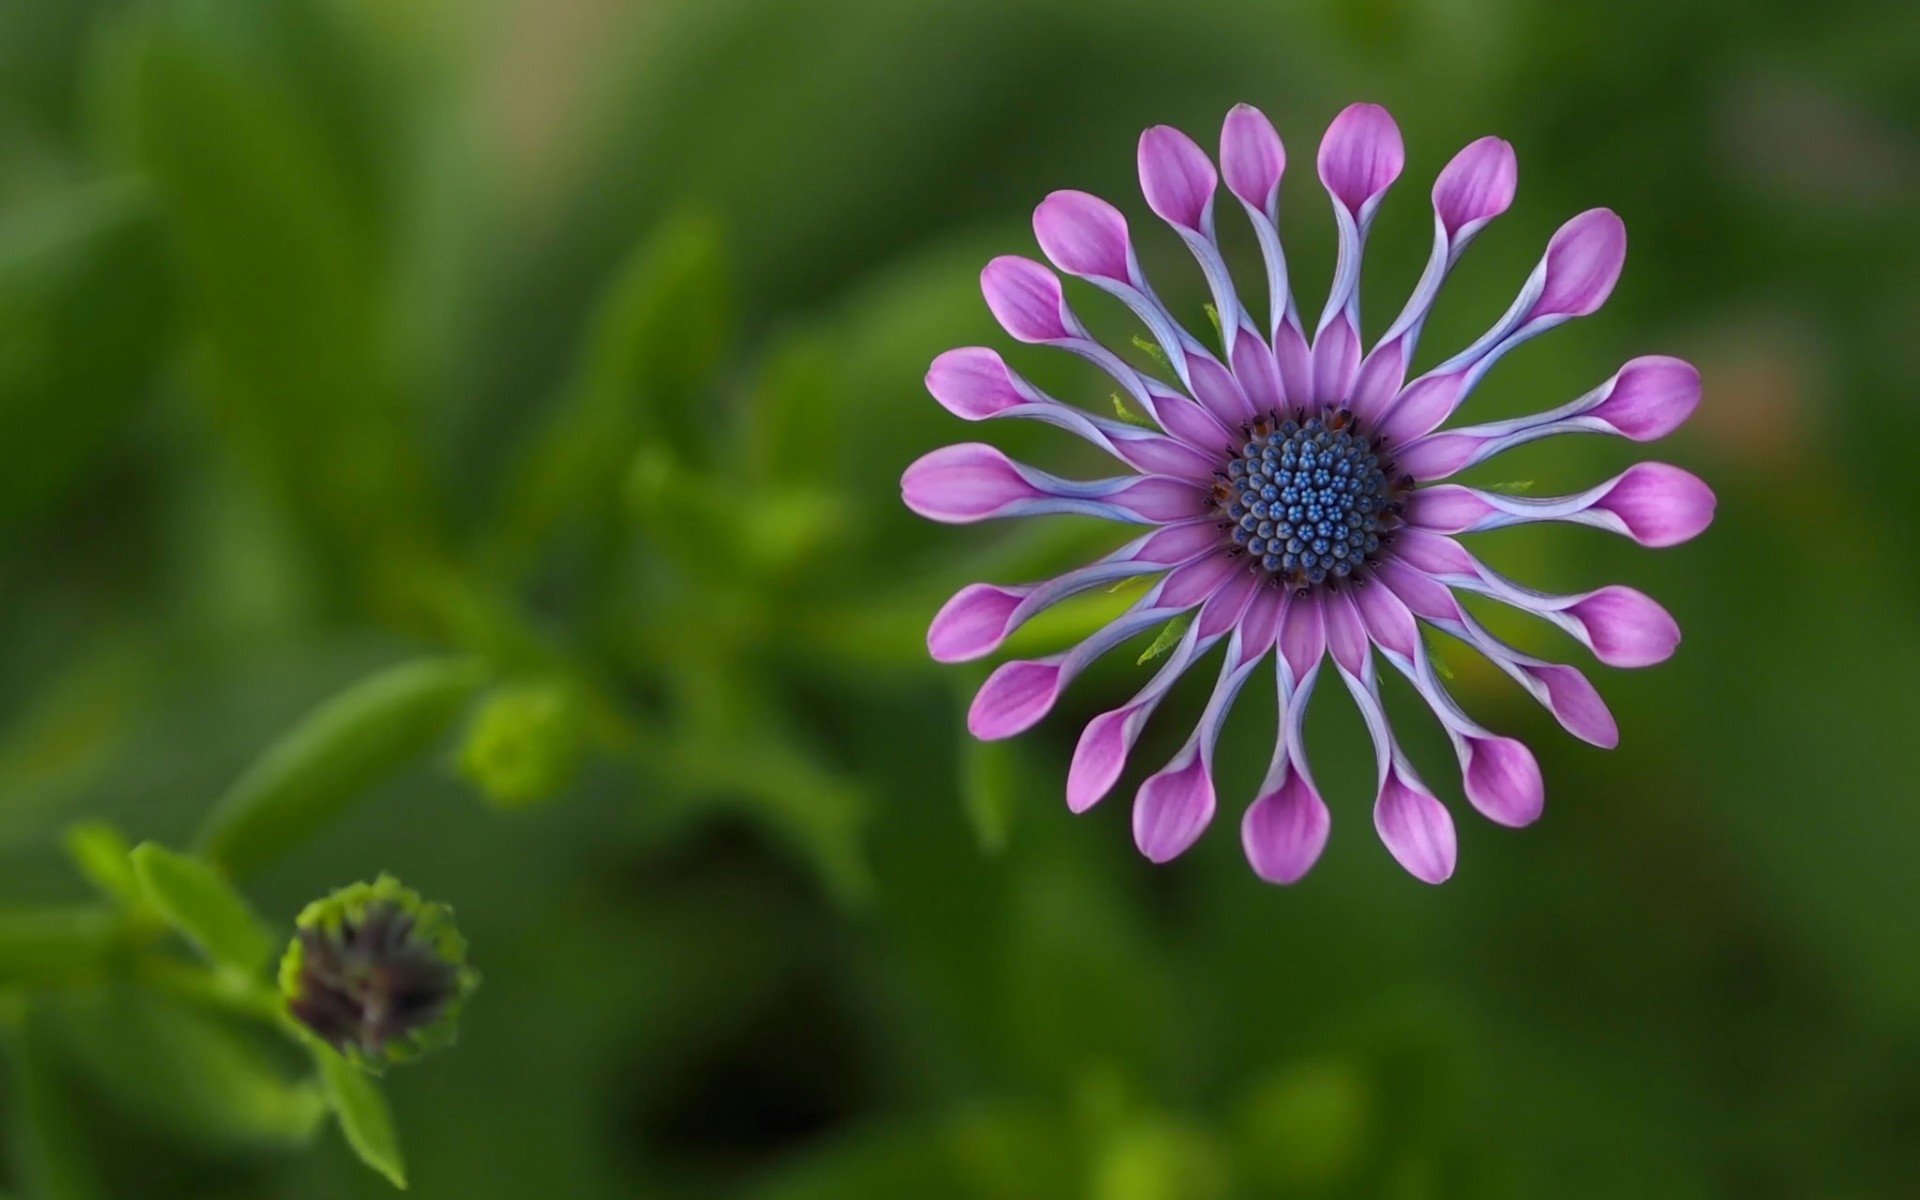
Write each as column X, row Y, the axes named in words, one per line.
column 1293, row 488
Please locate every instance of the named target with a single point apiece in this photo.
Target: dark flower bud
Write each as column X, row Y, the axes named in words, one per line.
column 376, row 972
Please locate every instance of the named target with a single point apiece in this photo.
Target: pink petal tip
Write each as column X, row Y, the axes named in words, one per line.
column 1172, row 810
column 1361, row 155
column 1284, row 831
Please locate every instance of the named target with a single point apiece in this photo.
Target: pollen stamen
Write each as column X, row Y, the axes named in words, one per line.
column 1309, row 501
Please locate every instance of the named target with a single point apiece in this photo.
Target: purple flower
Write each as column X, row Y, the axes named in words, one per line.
column 1291, row 487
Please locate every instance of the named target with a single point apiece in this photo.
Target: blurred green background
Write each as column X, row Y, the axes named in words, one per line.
column 583, row 339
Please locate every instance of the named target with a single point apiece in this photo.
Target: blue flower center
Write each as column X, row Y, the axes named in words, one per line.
column 1308, row 501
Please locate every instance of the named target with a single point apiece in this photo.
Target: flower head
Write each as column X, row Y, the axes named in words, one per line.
column 1292, row 490
column 376, row 972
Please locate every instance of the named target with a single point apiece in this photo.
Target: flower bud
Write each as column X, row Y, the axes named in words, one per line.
column 377, row 973
column 525, row 744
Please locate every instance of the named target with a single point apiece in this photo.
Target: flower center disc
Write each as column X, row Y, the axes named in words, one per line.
column 1308, row 501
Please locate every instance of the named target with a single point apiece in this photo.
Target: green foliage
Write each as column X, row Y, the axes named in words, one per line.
column 364, row 1117
column 1126, row 413
column 84, row 307
column 1152, row 350
column 991, row 786
column 276, row 245
column 48, row 1124
column 1305, row 1129
column 345, row 746
column 1160, row 1161
column 44, row 947
column 100, row 852
column 654, row 338
column 1168, row 637
column 199, row 1077
column 198, row 901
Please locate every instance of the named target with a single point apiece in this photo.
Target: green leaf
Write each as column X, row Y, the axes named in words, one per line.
column 660, row 329
column 57, row 945
column 83, row 319
column 1167, row 639
column 773, row 778
column 50, row 1146
column 796, row 412
column 347, row 744
column 69, row 732
column 364, row 1116
column 1151, row 349
column 277, row 242
column 655, row 338
column 198, row 902
column 198, row 1077
column 1131, row 417
column 99, row 851
column 990, row 784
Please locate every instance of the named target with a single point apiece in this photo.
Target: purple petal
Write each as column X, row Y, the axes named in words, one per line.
column 1228, row 603
column 1303, row 634
column 1423, row 595
column 968, row 482
column 1251, row 157
column 973, row 383
column 1446, row 508
column 1284, row 831
column 1187, row 420
column 1261, row 621
column 1197, row 581
column 1177, row 177
column 1503, row 781
column 1432, row 553
column 1438, row 455
column 1361, row 155
column 1025, row 298
column 1346, row 632
column 1416, row 829
column 1476, row 187
column 974, row 622
column 1336, row 361
column 1013, row 699
column 1576, row 704
column 1583, row 263
column 1295, row 359
column 1214, row 387
column 1172, row 809
column 1661, row 505
column 1628, row 627
column 1651, row 397
column 1176, row 544
column 1101, row 756
column 1158, row 498
column 1563, row 689
column 1381, row 374
column 1258, row 375
column 1387, row 619
column 1424, row 404
column 1083, row 235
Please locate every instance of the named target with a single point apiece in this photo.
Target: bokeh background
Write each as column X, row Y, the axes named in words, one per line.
column 585, row 338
